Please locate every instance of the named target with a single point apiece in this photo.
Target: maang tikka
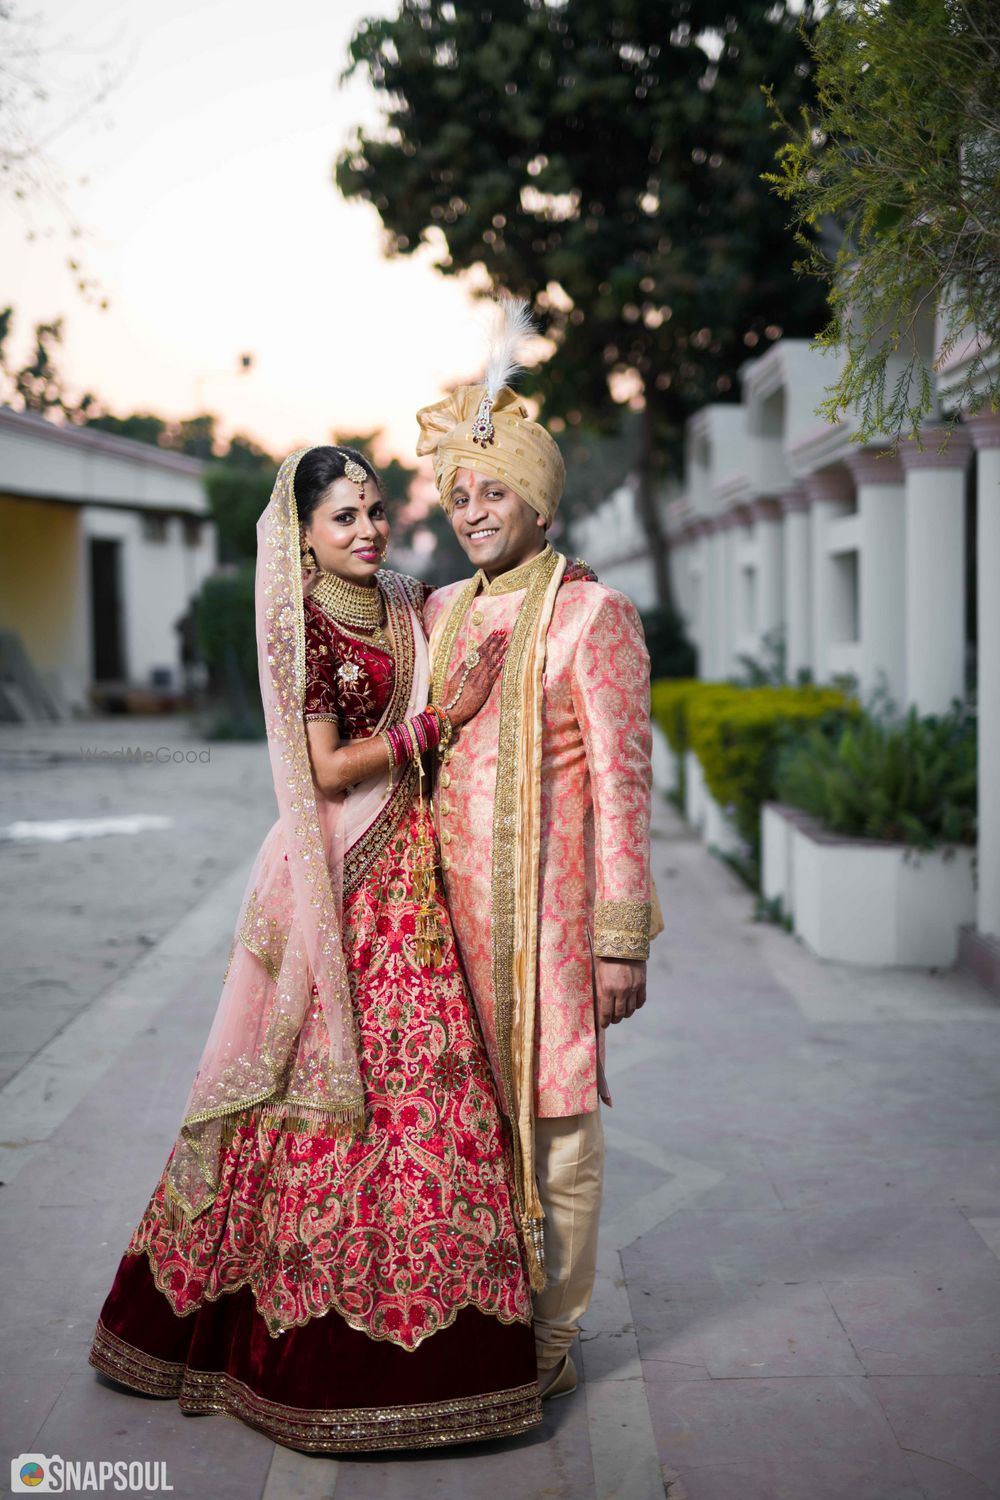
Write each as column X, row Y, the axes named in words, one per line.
column 356, row 474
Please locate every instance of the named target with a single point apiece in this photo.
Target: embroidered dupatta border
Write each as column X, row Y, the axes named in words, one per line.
column 367, row 849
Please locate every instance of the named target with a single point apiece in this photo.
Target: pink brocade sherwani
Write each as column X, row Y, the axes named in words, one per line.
column 594, row 859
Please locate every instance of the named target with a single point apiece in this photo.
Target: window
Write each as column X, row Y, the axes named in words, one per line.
column 154, row 527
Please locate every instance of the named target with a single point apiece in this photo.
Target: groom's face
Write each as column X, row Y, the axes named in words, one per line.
column 496, row 529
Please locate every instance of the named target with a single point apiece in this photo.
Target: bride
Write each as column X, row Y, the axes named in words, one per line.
column 332, row 1253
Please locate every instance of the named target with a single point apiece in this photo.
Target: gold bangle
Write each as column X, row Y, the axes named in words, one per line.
column 411, row 738
column 387, row 742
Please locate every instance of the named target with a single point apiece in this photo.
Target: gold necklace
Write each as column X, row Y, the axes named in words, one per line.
column 353, row 607
column 351, row 603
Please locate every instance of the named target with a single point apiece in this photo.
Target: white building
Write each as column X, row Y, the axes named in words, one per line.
column 863, row 563
column 105, row 541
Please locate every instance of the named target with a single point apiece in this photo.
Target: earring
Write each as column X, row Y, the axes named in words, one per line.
column 308, row 556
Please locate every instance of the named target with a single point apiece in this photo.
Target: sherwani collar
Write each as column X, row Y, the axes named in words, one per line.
column 515, row 578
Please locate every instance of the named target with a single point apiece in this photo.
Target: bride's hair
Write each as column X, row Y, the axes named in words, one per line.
column 317, row 470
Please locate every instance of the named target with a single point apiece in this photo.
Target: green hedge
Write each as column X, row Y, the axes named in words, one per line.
column 911, row 782
column 739, row 735
column 739, row 738
column 227, row 638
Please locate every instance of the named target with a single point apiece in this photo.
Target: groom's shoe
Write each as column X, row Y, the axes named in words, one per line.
column 559, row 1381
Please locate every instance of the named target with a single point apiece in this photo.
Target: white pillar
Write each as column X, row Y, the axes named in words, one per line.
column 768, row 531
column 935, row 569
column 985, row 432
column 881, row 590
column 796, row 569
column 831, row 492
column 679, row 563
column 708, row 663
column 722, row 595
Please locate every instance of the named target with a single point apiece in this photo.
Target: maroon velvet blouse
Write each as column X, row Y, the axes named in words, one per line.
column 348, row 680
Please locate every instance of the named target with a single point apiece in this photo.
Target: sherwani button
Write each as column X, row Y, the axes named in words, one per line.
column 445, row 809
column 477, row 617
column 446, row 837
column 445, row 779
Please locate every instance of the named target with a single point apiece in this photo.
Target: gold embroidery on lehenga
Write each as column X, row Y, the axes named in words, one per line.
column 423, row 1425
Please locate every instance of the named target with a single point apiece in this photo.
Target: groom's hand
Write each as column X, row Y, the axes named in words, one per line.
column 621, row 988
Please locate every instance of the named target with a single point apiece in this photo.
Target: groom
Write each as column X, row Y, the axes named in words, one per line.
column 543, row 813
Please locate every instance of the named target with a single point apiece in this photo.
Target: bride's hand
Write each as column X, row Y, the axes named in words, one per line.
column 479, row 681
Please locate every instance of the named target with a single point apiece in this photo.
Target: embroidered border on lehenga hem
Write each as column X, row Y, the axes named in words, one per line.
column 161, row 1282
column 431, row 1424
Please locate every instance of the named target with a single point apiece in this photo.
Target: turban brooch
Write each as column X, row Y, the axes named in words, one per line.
column 487, row 427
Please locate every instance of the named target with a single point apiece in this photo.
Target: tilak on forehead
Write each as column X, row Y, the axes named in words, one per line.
column 487, row 427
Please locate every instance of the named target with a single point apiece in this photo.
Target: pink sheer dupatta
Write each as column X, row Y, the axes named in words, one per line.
column 273, row 1042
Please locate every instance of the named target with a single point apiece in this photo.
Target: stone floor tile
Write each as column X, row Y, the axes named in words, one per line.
column 808, row 1439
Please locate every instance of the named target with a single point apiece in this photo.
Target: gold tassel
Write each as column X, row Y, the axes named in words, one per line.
column 427, row 922
column 325, row 1125
column 532, row 1234
column 173, row 1211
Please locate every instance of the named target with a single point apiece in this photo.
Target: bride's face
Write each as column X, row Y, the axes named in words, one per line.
column 349, row 535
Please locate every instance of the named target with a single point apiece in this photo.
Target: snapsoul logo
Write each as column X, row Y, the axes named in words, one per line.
column 49, row 1474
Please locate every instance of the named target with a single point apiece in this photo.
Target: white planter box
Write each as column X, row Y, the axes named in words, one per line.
column 695, row 791
column 863, row 902
column 703, row 812
column 665, row 774
column 776, row 879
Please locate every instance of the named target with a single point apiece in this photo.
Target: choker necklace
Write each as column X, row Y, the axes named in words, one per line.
column 350, row 603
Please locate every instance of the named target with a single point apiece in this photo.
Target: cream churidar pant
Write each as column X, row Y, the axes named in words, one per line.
column 569, row 1165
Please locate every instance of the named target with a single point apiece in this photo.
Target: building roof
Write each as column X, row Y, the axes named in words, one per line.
column 83, row 465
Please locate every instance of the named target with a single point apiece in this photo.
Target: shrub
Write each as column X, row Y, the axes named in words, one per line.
column 911, row 781
column 738, row 735
column 225, row 624
column 668, row 701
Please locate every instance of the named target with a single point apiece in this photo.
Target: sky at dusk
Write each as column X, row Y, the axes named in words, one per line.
column 214, row 228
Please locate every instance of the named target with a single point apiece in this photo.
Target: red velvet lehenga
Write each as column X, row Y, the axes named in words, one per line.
column 351, row 1294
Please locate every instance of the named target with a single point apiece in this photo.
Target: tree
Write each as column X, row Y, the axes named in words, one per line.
column 38, row 385
column 43, row 93
column 140, row 427
column 602, row 157
column 903, row 150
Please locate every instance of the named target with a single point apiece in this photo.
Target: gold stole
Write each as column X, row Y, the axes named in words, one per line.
column 515, row 875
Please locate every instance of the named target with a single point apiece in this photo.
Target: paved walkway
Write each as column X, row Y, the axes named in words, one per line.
column 800, row 1289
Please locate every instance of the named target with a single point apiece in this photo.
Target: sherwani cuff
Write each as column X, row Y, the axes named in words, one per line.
column 621, row 929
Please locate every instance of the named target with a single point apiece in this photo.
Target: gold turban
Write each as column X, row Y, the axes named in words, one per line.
column 522, row 453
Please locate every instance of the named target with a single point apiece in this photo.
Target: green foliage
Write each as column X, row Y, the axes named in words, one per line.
column 226, row 633
column 237, row 498
column 603, row 158
column 739, row 734
column 911, row 781
column 140, row 427
column 38, row 386
column 669, row 700
column 902, row 152
column 738, row 737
